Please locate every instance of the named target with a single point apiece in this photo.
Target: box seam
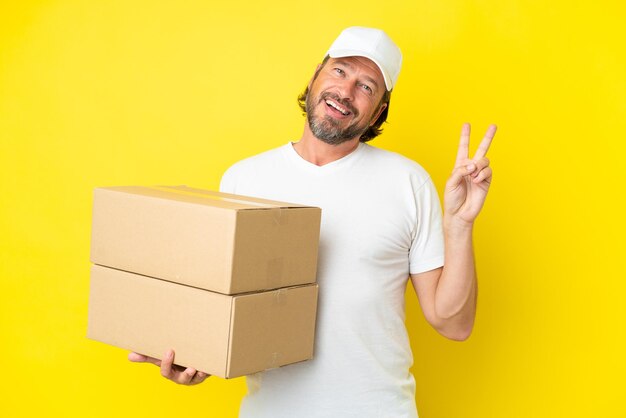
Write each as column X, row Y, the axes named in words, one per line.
column 229, row 346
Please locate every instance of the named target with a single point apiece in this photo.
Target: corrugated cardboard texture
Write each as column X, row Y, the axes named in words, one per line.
column 226, row 336
column 220, row 242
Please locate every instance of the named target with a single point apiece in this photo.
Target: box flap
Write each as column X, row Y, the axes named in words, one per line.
column 204, row 197
column 252, row 202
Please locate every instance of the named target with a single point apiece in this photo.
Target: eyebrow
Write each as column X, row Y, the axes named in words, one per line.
column 350, row 66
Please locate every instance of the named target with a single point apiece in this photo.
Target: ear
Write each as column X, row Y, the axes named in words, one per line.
column 375, row 118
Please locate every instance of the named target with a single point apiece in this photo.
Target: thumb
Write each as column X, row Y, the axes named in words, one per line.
column 136, row 357
column 141, row 358
column 459, row 172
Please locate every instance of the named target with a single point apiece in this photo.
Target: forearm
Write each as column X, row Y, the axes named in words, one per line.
column 455, row 297
column 449, row 295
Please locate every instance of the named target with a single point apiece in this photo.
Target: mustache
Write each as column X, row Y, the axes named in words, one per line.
column 339, row 100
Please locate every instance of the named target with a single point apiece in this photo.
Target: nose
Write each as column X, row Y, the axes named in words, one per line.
column 346, row 90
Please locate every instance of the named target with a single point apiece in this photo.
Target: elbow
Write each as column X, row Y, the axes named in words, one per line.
column 454, row 323
column 444, row 314
column 459, row 335
column 447, row 312
column 455, row 328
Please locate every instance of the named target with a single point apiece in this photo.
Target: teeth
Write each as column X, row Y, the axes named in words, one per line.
column 336, row 106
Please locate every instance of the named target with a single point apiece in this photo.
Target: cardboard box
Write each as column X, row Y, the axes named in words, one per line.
column 220, row 242
column 226, row 336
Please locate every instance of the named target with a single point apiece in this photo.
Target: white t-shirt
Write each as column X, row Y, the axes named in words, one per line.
column 381, row 220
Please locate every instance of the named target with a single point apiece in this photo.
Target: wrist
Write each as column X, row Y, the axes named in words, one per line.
column 454, row 226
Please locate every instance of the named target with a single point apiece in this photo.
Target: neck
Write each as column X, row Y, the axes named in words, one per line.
column 318, row 152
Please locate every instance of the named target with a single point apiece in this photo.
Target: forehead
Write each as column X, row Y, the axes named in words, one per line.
column 363, row 65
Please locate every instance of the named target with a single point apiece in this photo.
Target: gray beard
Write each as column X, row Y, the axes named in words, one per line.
column 328, row 130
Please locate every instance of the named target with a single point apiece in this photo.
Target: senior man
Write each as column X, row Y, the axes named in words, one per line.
column 381, row 225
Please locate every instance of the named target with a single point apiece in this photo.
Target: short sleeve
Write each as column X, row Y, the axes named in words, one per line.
column 427, row 246
column 227, row 184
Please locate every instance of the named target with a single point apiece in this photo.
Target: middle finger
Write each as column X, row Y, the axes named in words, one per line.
column 187, row 375
column 486, row 142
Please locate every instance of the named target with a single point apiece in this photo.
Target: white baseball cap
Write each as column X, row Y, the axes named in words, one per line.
column 370, row 43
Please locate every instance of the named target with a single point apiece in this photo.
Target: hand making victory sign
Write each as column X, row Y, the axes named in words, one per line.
column 467, row 187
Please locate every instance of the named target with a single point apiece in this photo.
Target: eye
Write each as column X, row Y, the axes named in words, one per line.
column 367, row 88
column 339, row 71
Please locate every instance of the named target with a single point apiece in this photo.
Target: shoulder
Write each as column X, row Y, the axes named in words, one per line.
column 249, row 166
column 256, row 162
column 266, row 157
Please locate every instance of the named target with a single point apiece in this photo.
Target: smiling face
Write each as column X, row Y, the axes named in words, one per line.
column 344, row 99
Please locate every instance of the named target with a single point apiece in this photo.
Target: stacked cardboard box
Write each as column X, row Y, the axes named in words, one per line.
column 227, row 281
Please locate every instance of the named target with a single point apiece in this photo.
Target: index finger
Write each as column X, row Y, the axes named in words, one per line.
column 166, row 364
column 486, row 142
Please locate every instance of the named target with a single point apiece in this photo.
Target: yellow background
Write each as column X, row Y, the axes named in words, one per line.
column 96, row 93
